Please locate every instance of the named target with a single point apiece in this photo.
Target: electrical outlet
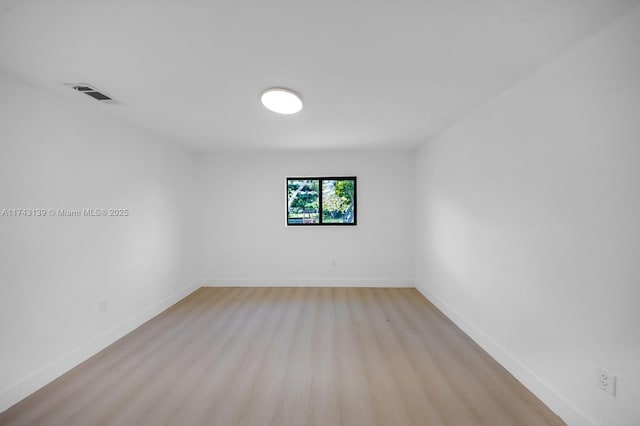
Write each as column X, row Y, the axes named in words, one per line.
column 607, row 382
column 333, row 263
column 103, row 306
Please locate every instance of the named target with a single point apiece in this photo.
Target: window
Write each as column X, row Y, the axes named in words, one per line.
column 321, row 201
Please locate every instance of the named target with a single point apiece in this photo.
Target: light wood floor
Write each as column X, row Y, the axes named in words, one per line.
column 289, row 356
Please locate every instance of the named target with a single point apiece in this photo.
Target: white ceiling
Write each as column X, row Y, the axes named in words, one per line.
column 372, row 73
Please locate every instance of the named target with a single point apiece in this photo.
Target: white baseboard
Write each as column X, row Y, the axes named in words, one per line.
column 309, row 283
column 39, row 378
column 568, row 412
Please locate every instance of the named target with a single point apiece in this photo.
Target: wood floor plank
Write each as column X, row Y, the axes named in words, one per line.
column 289, row 356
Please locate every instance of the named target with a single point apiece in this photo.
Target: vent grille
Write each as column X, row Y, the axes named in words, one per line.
column 93, row 92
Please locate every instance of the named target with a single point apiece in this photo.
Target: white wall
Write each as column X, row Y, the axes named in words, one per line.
column 246, row 242
column 529, row 227
column 56, row 153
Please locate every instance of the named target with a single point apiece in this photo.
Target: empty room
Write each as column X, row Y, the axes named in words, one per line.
column 286, row 212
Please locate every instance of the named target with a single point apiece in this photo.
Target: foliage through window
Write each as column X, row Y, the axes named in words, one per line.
column 321, row 201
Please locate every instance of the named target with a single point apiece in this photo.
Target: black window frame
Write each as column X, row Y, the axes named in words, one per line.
column 320, row 179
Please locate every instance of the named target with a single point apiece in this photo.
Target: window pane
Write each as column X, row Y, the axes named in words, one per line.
column 338, row 201
column 303, row 201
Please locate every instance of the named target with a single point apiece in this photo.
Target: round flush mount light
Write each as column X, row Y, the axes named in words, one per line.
column 282, row 101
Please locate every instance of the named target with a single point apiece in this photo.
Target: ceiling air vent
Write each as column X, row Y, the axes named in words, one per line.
column 93, row 92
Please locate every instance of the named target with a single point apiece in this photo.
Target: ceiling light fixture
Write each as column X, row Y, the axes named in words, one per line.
column 282, row 101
